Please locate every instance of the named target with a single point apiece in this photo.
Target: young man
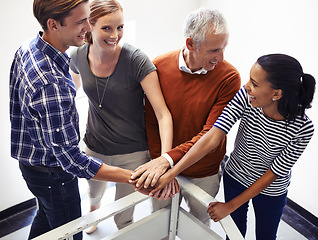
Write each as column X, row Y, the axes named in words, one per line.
column 197, row 84
column 44, row 119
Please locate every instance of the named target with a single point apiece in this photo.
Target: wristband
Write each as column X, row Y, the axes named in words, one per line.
column 168, row 158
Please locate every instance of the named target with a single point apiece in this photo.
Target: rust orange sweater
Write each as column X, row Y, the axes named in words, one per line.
column 195, row 102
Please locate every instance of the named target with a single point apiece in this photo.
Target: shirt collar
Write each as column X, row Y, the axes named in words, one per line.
column 184, row 68
column 62, row 59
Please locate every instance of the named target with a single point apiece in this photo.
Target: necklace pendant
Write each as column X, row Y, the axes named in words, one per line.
column 100, row 106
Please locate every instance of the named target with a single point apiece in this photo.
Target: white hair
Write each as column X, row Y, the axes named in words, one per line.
column 201, row 21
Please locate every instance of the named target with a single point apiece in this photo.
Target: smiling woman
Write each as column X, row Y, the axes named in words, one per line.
column 105, row 49
column 115, row 77
column 261, row 93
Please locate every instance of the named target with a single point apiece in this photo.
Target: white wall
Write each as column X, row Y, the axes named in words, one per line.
column 158, row 23
column 17, row 24
column 256, row 27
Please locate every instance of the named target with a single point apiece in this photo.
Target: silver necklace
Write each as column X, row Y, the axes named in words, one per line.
column 100, row 100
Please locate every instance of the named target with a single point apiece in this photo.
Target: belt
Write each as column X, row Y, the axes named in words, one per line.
column 45, row 169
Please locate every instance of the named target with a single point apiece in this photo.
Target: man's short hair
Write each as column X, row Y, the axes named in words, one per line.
column 54, row 9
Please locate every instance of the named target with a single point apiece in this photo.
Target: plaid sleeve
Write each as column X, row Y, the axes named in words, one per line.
column 55, row 109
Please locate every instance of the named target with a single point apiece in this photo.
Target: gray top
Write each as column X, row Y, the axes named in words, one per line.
column 119, row 126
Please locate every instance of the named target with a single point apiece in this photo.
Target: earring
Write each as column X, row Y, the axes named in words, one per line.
column 273, row 99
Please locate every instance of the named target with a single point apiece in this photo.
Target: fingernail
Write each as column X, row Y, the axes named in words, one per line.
column 137, row 185
column 150, row 194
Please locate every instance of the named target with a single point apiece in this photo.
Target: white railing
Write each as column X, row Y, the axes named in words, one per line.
column 167, row 222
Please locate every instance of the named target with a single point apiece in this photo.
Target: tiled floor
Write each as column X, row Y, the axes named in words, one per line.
column 107, row 227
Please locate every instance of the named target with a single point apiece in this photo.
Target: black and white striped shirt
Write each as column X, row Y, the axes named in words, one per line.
column 262, row 143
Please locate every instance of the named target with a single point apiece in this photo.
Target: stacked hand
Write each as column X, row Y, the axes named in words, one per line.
column 150, row 176
column 142, row 190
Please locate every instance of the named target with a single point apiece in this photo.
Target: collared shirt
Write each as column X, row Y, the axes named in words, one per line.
column 43, row 115
column 184, row 68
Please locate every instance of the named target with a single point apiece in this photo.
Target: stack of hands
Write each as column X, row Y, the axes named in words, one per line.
column 153, row 179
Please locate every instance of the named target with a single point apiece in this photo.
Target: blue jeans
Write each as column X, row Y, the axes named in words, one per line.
column 268, row 210
column 58, row 199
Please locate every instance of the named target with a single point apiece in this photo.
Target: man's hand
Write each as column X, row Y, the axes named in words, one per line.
column 150, row 172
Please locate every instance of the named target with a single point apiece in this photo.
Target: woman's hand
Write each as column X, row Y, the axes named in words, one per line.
column 163, row 181
column 218, row 210
column 167, row 192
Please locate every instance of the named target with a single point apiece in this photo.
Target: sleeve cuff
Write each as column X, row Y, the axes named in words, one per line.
column 169, row 159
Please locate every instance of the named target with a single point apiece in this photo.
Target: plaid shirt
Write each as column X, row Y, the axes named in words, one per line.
column 43, row 115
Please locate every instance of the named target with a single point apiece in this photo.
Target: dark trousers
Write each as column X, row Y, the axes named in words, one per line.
column 268, row 210
column 58, row 198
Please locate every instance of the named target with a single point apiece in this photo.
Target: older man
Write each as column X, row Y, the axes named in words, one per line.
column 197, row 83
